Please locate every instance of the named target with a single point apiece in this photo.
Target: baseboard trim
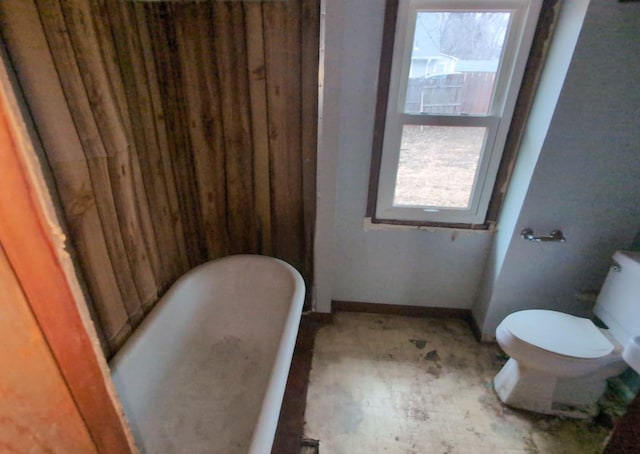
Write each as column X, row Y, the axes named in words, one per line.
column 399, row 309
column 321, row 318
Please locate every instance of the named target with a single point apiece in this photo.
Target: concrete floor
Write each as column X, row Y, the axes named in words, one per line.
column 388, row 384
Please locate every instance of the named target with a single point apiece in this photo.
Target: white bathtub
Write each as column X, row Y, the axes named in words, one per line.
column 206, row 370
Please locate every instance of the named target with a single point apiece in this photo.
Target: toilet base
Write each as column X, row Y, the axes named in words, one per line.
column 533, row 390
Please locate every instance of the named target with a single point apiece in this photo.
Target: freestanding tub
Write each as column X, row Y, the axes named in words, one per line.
column 206, row 370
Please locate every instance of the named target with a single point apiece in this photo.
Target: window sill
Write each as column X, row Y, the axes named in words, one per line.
column 370, row 225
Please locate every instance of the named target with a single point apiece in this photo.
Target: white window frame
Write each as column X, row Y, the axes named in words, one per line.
column 508, row 78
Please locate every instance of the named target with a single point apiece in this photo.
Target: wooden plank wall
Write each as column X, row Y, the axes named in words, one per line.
column 196, row 124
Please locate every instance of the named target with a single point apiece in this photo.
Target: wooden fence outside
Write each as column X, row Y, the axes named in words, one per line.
column 453, row 93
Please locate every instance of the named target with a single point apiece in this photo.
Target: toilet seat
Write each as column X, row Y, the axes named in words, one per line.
column 559, row 333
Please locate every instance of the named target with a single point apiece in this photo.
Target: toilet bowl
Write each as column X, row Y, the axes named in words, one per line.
column 559, row 363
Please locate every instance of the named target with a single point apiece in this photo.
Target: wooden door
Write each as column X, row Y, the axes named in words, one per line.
column 55, row 391
column 37, row 412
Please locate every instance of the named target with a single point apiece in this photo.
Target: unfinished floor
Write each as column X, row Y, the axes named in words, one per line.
column 390, row 384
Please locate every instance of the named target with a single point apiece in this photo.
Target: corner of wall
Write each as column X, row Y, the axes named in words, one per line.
column 556, row 67
column 330, row 75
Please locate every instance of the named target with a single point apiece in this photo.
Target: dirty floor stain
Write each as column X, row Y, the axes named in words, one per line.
column 387, row 384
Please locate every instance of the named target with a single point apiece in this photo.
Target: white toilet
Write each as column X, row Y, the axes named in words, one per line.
column 559, row 363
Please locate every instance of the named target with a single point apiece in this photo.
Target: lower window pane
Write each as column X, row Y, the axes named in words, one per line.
column 437, row 166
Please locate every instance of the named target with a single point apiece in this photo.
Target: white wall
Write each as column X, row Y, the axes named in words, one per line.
column 407, row 266
column 556, row 66
column 586, row 179
column 582, row 177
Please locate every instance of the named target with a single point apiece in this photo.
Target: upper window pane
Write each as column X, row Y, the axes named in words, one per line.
column 454, row 61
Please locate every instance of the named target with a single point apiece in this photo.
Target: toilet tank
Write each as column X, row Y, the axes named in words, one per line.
column 618, row 304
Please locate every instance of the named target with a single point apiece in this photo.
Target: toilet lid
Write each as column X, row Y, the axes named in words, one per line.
column 559, row 333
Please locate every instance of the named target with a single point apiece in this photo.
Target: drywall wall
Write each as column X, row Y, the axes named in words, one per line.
column 585, row 180
column 439, row 268
column 559, row 56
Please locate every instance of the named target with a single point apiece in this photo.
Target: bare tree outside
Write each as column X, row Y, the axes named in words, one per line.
column 472, row 36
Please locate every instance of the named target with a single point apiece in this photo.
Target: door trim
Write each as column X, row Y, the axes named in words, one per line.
column 34, row 244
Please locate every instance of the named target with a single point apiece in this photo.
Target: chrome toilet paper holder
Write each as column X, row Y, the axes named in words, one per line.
column 555, row 235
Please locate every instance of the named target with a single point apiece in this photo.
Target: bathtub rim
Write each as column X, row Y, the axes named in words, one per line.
column 265, row 429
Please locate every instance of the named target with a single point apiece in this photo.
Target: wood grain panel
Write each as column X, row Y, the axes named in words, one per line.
column 202, row 96
column 154, row 201
column 99, row 184
column 95, row 57
column 259, row 123
column 65, row 156
column 97, row 157
column 230, row 57
column 158, row 150
column 283, row 105
column 162, row 29
column 184, row 132
column 37, row 412
column 310, row 46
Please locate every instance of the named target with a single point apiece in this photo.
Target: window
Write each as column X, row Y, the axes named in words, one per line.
column 455, row 73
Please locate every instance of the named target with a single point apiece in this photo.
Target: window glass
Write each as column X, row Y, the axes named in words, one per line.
column 455, row 73
column 454, row 60
column 437, row 166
